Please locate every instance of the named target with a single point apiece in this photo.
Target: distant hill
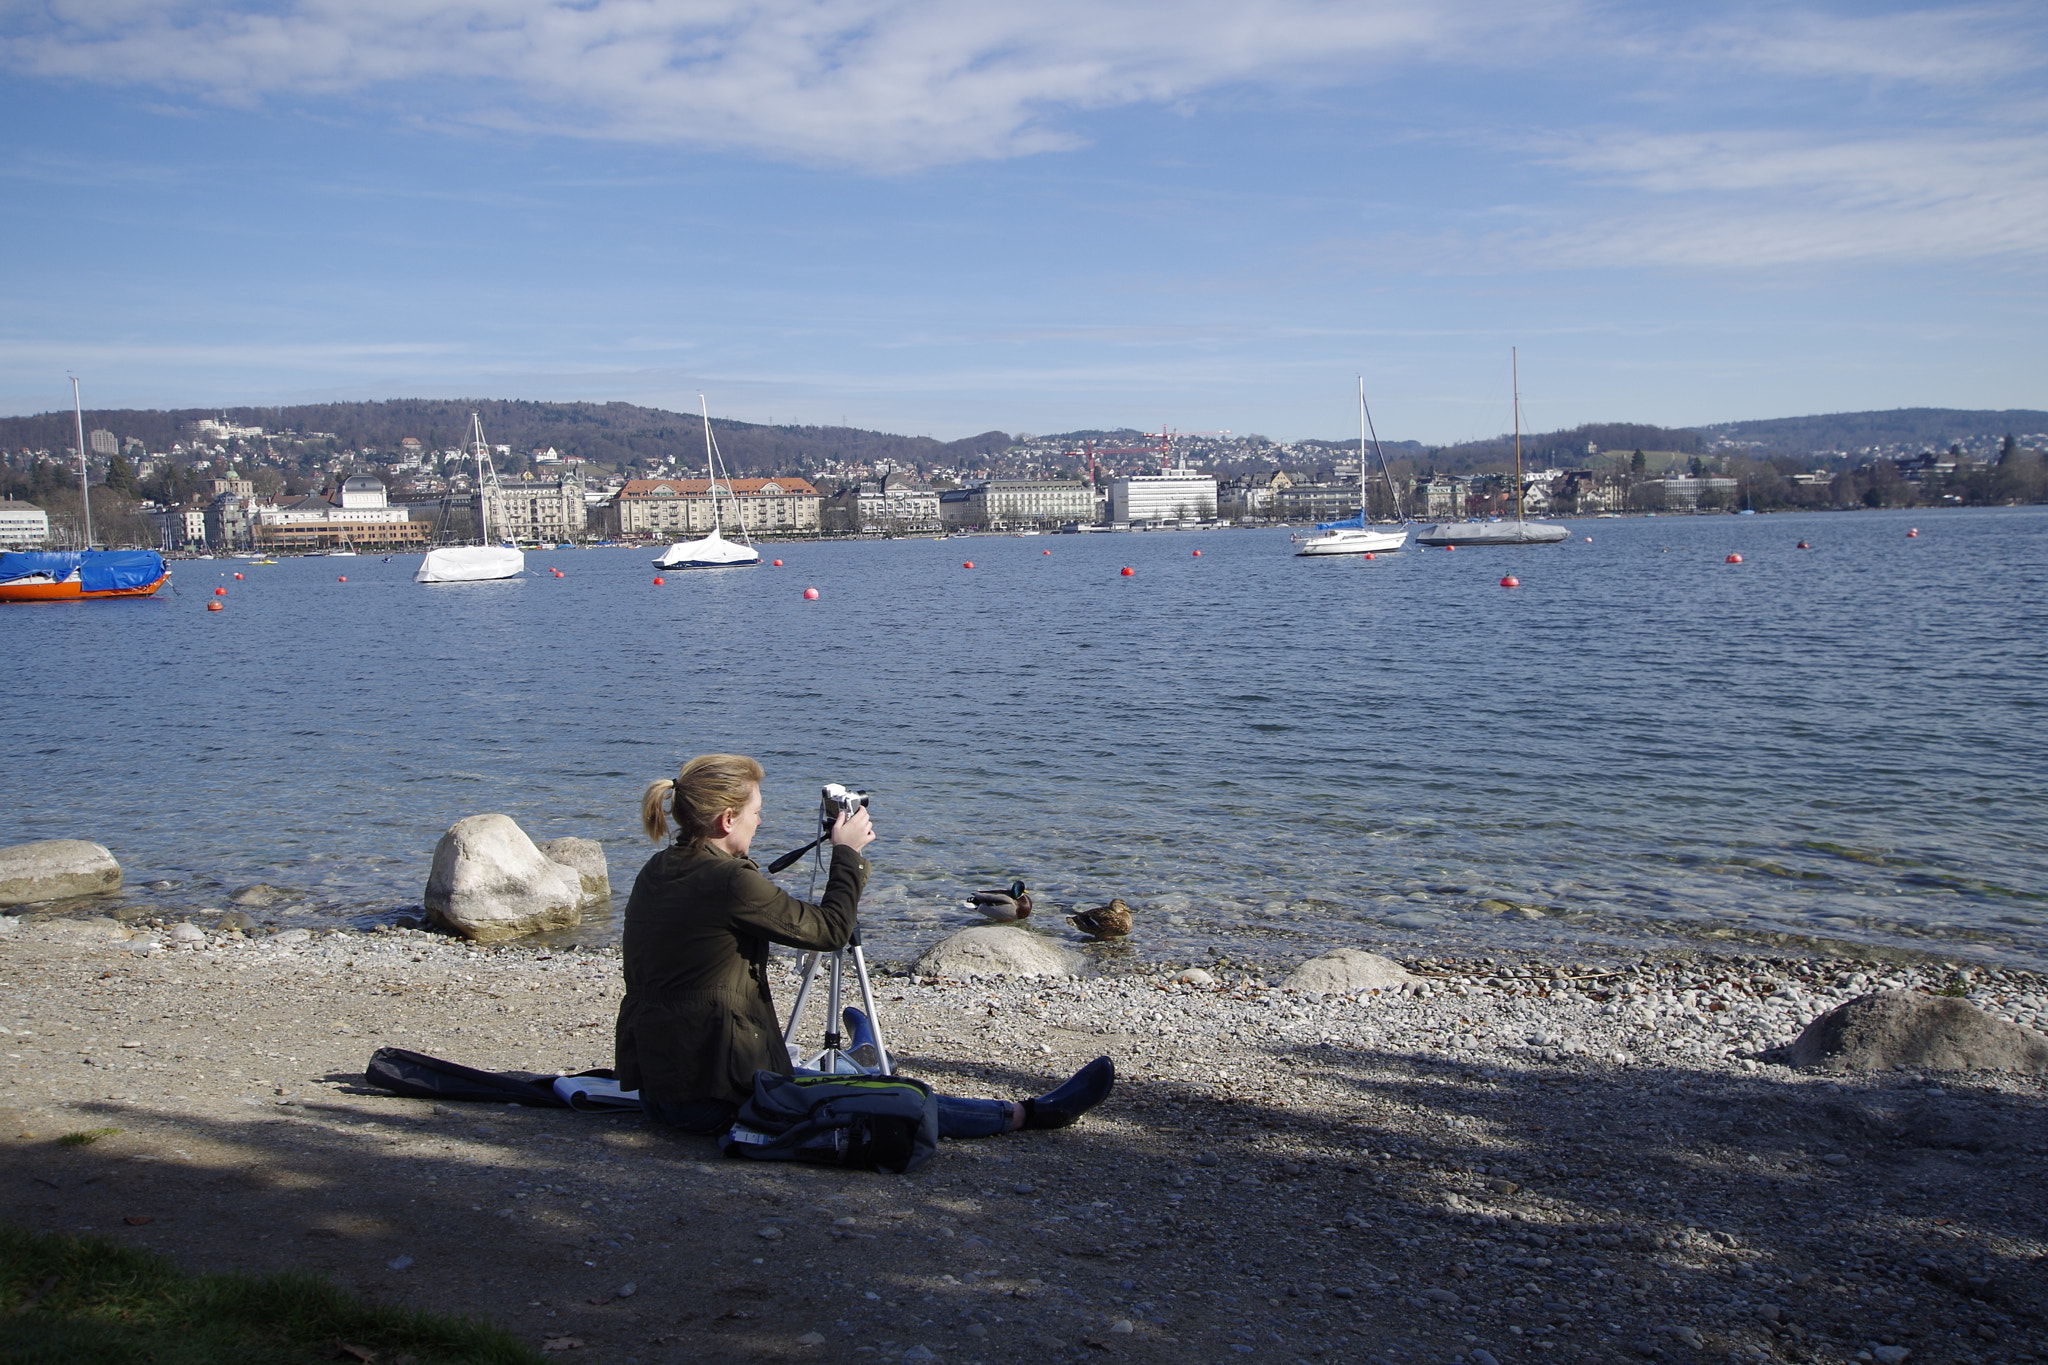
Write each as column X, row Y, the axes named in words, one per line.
column 1931, row 428
column 609, row 433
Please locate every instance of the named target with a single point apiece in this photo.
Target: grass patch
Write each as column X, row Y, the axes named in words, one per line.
column 86, row 1138
column 86, row 1301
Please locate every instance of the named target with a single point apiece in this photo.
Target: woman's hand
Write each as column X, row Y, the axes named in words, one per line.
column 853, row 830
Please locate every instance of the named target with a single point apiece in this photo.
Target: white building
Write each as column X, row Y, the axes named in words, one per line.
column 898, row 509
column 180, row 528
column 23, row 526
column 1172, row 495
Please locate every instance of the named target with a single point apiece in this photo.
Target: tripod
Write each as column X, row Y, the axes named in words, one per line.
column 869, row 1058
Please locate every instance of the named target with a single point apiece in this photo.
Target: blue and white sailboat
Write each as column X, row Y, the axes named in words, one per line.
column 1356, row 536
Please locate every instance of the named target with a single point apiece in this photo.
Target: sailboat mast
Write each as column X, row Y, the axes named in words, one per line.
column 1515, row 366
column 483, row 500
column 1362, row 518
column 84, row 487
column 711, row 466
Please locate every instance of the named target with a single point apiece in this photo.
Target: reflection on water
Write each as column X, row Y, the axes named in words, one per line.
column 1262, row 754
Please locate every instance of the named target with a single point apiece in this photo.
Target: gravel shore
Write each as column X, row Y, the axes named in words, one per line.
column 1511, row 1161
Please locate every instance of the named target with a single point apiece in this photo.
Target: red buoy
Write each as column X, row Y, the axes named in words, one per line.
column 1198, row 554
column 1450, row 547
column 341, row 578
column 1047, row 552
column 1732, row 559
column 1589, row 540
column 658, row 581
column 214, row 606
column 222, row 592
column 810, row 594
column 1913, row 534
column 778, row 563
column 1511, row 582
column 968, row 565
column 1804, row 546
column 238, row 575
column 1129, row 572
column 1370, row 555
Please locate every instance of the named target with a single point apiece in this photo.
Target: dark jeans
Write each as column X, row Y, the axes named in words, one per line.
column 958, row 1118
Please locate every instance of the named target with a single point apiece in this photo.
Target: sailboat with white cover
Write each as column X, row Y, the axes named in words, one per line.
column 1498, row 532
column 1356, row 536
column 481, row 563
column 713, row 551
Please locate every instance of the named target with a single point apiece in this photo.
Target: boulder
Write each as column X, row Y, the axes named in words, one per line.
column 490, row 882
column 1346, row 971
column 587, row 857
column 998, row 950
column 1904, row 1028
column 54, row 869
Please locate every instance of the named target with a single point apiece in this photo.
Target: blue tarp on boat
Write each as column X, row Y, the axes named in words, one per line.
column 1356, row 523
column 98, row 570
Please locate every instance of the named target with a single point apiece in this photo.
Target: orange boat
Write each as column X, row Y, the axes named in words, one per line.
column 80, row 575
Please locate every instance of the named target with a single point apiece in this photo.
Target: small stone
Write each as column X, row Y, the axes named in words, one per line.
column 1343, row 1292
column 845, row 1222
column 1890, row 1355
column 187, row 933
column 398, row 1263
column 1024, row 1187
column 1481, row 1356
column 1690, row 1336
column 975, row 1329
column 770, row 1234
column 628, row 1290
column 1194, row 976
column 292, row 937
column 1207, row 1159
column 1836, row 1158
column 1443, row 1296
column 811, row 1339
column 919, row 1353
column 1122, row 1327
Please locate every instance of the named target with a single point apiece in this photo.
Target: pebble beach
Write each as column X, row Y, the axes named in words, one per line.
column 1506, row 1159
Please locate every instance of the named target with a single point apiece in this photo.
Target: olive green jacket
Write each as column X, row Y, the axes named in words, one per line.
column 697, row 1021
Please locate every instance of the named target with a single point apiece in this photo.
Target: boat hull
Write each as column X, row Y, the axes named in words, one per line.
column 712, row 552
column 72, row 592
column 470, row 564
column 1491, row 533
column 1354, row 542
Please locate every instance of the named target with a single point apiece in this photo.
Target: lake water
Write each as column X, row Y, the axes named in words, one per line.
column 1640, row 745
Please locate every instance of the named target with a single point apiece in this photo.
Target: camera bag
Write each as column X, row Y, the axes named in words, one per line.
column 869, row 1123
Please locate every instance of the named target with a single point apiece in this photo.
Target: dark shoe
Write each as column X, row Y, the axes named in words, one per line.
column 1084, row 1090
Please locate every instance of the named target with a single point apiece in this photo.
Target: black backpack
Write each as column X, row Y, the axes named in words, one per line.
column 870, row 1123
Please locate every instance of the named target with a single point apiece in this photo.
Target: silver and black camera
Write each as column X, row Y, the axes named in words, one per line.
column 837, row 801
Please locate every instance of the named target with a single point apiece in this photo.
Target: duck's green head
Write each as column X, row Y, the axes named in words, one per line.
column 1016, row 889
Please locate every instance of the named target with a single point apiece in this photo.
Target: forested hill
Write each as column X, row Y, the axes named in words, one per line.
column 1930, row 428
column 610, row 433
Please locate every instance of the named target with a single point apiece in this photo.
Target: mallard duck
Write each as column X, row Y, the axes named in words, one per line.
column 1104, row 921
column 1003, row 905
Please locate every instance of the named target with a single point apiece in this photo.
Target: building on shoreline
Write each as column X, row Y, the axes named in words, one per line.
column 23, row 526
column 671, row 508
column 535, row 510
column 1013, row 504
column 357, row 515
column 1171, row 495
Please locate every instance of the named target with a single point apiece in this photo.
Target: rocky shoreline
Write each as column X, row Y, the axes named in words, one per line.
column 1499, row 1160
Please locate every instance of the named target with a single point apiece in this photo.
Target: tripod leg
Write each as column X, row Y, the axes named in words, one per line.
column 833, row 987
column 803, row 993
column 867, row 1000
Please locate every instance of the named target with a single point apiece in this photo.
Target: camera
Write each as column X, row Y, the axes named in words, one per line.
column 837, row 801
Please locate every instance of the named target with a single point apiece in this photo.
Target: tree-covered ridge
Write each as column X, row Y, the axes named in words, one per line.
column 1854, row 432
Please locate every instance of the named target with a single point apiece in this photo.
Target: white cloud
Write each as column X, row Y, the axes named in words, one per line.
column 1761, row 199
column 873, row 83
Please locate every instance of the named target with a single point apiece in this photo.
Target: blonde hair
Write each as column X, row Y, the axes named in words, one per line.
column 708, row 786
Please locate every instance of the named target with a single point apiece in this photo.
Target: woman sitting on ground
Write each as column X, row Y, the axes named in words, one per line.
column 697, row 1021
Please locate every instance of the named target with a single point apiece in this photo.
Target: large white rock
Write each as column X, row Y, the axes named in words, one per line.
column 587, row 857
column 998, row 950
column 491, row 882
column 54, row 869
column 1904, row 1028
column 1346, row 971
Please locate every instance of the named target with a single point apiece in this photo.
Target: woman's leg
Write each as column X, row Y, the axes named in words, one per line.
column 964, row 1118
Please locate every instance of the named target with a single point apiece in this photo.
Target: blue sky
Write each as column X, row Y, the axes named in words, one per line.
column 942, row 218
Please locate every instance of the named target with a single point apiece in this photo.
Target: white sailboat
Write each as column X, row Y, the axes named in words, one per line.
column 1356, row 536
column 713, row 551
column 481, row 563
column 1502, row 532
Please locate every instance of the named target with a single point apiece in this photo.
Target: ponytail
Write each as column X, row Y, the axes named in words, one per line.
column 708, row 786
